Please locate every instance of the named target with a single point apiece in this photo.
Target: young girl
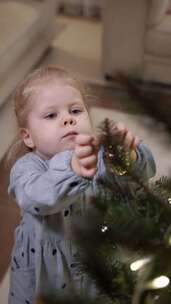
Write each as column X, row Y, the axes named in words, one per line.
column 62, row 162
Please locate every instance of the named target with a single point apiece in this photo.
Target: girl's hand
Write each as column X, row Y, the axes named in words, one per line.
column 125, row 138
column 84, row 159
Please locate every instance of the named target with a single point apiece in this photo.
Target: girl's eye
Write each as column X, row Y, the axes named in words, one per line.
column 76, row 111
column 51, row 115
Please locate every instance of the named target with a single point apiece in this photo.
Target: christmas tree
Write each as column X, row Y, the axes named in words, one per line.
column 132, row 238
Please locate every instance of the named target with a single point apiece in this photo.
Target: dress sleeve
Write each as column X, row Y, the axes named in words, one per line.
column 144, row 167
column 45, row 188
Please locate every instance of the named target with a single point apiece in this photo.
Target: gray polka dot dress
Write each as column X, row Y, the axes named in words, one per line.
column 44, row 259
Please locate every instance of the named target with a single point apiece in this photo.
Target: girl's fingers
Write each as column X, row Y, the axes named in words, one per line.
column 134, row 143
column 89, row 173
column 95, row 141
column 84, row 139
column 86, row 145
column 83, row 151
column 130, row 141
column 89, row 162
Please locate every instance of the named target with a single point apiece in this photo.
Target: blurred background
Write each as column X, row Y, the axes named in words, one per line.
column 121, row 50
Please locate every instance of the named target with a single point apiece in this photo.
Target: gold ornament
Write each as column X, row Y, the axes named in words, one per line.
column 117, row 160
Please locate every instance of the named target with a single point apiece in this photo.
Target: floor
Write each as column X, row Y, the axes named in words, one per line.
column 78, row 48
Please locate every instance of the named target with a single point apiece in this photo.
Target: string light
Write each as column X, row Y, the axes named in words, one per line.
column 159, row 282
column 104, row 228
column 139, row 264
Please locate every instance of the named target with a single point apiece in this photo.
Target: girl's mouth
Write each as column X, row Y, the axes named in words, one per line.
column 70, row 134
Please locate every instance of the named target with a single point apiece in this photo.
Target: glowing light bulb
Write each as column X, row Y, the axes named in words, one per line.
column 159, row 282
column 139, row 263
column 169, row 200
column 169, row 241
column 104, row 228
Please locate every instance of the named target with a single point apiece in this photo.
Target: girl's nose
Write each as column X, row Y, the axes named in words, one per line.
column 68, row 121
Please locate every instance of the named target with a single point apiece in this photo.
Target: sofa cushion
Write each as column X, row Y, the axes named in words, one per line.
column 26, row 38
column 15, row 19
column 158, row 39
column 157, row 10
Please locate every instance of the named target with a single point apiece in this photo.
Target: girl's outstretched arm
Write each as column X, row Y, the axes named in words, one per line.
column 45, row 187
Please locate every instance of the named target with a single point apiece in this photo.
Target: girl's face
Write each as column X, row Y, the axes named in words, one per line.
column 57, row 116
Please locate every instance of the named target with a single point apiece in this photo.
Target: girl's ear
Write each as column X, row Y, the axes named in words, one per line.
column 26, row 137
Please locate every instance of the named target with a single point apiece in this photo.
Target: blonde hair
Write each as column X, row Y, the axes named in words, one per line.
column 23, row 98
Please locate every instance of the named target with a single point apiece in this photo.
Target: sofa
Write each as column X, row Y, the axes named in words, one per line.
column 137, row 39
column 27, row 28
